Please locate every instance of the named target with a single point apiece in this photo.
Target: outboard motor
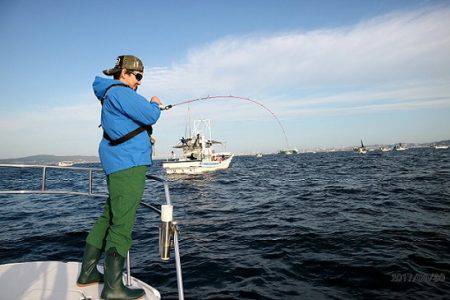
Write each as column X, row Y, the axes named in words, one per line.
column 166, row 230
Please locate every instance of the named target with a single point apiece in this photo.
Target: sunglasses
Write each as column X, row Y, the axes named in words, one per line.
column 138, row 76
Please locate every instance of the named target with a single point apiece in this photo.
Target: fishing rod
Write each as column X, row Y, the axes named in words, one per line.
column 167, row 107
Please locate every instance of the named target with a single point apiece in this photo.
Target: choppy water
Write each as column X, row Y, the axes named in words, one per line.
column 315, row 226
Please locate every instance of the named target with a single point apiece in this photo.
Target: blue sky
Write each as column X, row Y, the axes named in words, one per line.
column 334, row 72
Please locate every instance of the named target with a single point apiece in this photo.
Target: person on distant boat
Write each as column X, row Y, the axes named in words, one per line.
column 125, row 154
column 197, row 141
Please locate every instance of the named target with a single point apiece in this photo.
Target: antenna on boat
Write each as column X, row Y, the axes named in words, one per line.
column 210, row 130
column 187, row 128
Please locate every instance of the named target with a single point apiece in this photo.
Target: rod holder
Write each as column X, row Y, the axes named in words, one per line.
column 128, row 269
column 165, row 231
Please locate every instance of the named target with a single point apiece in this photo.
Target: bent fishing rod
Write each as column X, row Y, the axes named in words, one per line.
column 167, row 107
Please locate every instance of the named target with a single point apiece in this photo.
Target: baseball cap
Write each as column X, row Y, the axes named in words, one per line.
column 129, row 62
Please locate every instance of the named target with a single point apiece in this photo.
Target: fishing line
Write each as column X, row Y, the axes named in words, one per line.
column 231, row 97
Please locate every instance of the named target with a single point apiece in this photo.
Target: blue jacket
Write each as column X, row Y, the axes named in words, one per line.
column 123, row 111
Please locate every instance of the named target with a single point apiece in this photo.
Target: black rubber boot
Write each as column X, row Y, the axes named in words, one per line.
column 89, row 273
column 114, row 289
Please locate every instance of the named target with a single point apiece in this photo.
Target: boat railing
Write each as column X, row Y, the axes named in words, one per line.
column 43, row 190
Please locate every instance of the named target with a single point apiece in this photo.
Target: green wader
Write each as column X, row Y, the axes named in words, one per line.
column 113, row 228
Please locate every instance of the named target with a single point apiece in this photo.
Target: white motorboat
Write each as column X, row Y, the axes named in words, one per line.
column 259, row 155
column 440, row 146
column 65, row 164
column 399, row 147
column 385, row 149
column 288, row 151
column 198, row 155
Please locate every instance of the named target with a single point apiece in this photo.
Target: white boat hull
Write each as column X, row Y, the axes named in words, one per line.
column 196, row 166
column 54, row 280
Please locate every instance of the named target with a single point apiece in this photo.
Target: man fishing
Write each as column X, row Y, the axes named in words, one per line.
column 125, row 155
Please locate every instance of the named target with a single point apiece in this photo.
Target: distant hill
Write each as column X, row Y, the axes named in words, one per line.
column 50, row 159
column 445, row 142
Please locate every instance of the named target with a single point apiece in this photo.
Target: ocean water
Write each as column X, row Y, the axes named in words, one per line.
column 309, row 226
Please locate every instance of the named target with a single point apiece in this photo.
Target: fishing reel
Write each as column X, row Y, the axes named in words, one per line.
column 165, row 107
column 167, row 229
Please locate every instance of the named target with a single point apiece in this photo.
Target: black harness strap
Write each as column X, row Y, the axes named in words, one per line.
column 130, row 134
column 109, row 87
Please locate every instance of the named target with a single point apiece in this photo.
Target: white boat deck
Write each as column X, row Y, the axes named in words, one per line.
column 53, row 280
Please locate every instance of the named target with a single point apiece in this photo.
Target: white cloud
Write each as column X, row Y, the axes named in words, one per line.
column 395, row 49
column 64, row 130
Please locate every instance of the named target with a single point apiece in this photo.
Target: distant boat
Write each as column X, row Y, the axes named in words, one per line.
column 259, row 155
column 399, row 147
column 440, row 146
column 288, row 151
column 385, row 149
column 361, row 150
column 65, row 164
